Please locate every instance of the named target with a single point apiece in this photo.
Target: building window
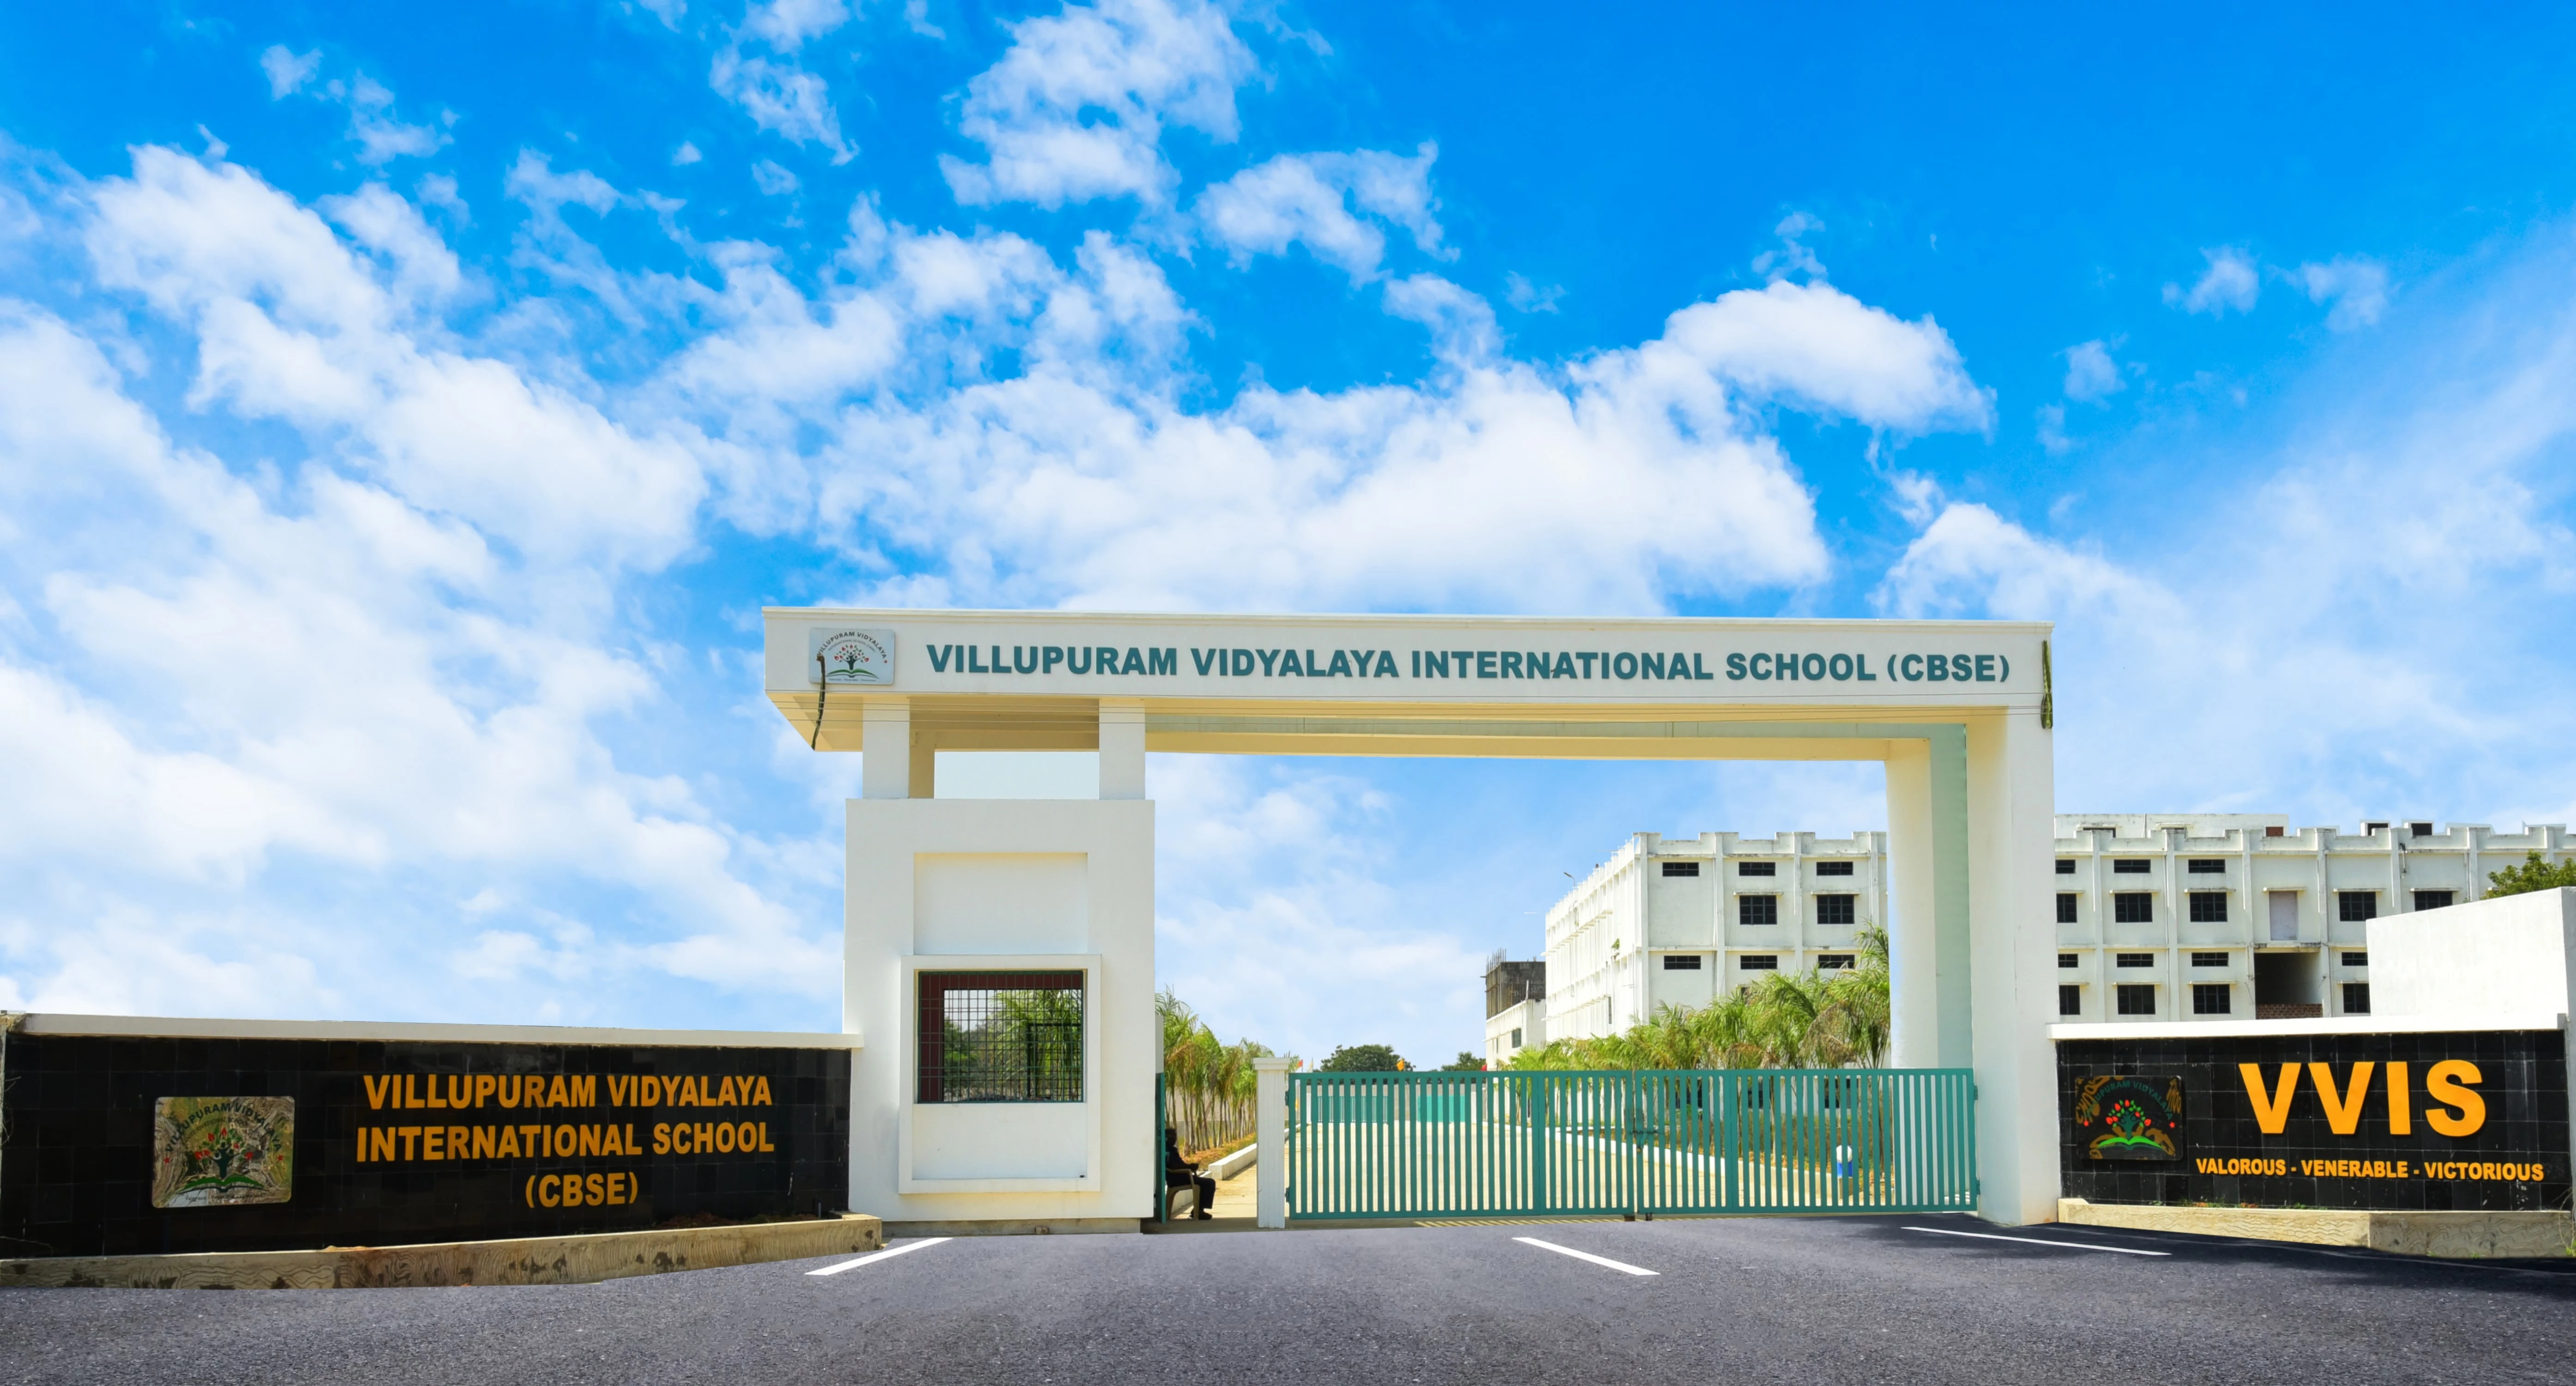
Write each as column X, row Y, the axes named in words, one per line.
column 1833, row 868
column 1835, row 962
column 2070, row 1000
column 2209, row 998
column 2373, row 829
column 2420, row 829
column 1516, row 1037
column 1837, row 909
column 1681, row 868
column 1757, row 909
column 2133, row 907
column 2357, row 959
column 1758, row 962
column 2066, row 866
column 2136, row 999
column 2066, row 907
column 2209, row 907
column 2353, row 906
column 2129, row 866
column 2208, row 866
column 2209, row 960
column 1000, row 1037
column 2273, row 831
column 2065, row 960
column 2356, row 998
column 1681, row 962
column 2433, row 899
column 1757, row 868
column 2134, row 960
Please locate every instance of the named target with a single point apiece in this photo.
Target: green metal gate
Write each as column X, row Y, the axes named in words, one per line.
column 1514, row 1144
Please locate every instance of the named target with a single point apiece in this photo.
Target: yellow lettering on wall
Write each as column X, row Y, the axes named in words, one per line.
column 661, row 1138
column 619, row 1089
column 546, row 1191
column 460, row 1090
column 586, row 1141
column 555, row 1094
column 484, row 1086
column 433, row 1142
column 509, row 1089
column 486, row 1147
column 434, row 1099
column 726, row 1096
column 585, row 1090
column 702, row 1137
column 2272, row 1114
column 2401, row 1102
column 597, row 1184
column 2343, row 1109
column 378, row 1089
column 760, row 1094
column 648, row 1091
column 563, row 1144
column 532, row 1191
column 407, row 1133
column 411, row 1089
column 2445, row 1083
column 507, row 1148
column 765, row 1146
column 630, row 1140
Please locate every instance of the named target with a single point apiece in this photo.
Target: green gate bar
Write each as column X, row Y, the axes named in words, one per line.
column 1535, row 1144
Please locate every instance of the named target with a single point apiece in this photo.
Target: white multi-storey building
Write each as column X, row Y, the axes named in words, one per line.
column 1669, row 923
column 2159, row 916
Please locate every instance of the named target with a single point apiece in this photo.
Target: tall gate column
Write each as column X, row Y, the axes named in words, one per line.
column 1270, row 1123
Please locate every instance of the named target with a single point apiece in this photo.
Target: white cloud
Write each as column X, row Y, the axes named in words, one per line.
column 2358, row 289
column 1307, row 198
column 287, row 71
column 2091, row 374
column 685, row 155
column 782, row 97
column 772, row 180
column 2230, row 282
column 1530, row 298
column 1075, row 109
column 786, row 24
column 2051, row 421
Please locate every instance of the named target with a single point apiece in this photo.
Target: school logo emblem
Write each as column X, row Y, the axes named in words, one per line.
column 2129, row 1118
column 851, row 657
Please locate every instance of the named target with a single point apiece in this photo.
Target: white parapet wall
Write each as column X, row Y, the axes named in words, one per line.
column 988, row 885
column 2503, row 954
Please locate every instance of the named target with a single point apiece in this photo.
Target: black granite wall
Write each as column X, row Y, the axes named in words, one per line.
column 75, row 1174
column 2522, row 1084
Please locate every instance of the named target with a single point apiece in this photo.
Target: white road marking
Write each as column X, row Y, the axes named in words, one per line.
column 1586, row 1256
column 878, row 1256
column 2035, row 1241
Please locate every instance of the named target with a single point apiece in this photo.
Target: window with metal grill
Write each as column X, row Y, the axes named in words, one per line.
column 2419, row 829
column 2066, row 907
column 1000, row 1037
column 1681, row 868
column 1758, row 962
column 2433, row 899
column 1835, row 962
column 2129, row 866
column 1837, row 909
column 2209, row 998
column 1757, row 868
column 2133, row 907
column 1757, row 909
column 1516, row 1039
column 2070, row 1000
column 2208, row 866
column 2360, row 958
column 2353, row 906
column 1681, row 962
column 2066, row 866
column 2065, row 960
column 2133, row 960
column 1833, row 868
column 2136, row 999
column 2209, row 960
column 2209, row 907
column 2356, row 998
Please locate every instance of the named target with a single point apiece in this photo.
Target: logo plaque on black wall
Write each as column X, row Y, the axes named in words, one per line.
column 2129, row 1118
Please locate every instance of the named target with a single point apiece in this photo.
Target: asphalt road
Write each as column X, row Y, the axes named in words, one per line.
column 1775, row 1300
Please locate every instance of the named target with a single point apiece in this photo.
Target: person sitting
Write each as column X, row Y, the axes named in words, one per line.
column 1179, row 1173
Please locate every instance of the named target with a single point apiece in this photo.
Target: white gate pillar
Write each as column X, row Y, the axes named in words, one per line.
column 1270, row 1122
column 1122, row 748
column 2012, row 849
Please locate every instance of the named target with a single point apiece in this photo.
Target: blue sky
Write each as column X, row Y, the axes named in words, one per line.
column 403, row 416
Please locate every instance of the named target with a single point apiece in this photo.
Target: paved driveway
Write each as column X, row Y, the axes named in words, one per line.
column 1821, row 1300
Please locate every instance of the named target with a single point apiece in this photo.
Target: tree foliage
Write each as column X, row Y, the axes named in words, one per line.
column 1468, row 1061
column 1208, row 1087
column 1806, row 1020
column 1363, row 1058
column 2535, row 873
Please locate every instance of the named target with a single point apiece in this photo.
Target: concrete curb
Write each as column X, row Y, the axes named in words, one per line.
column 575, row 1260
column 2533, row 1234
column 1225, row 1167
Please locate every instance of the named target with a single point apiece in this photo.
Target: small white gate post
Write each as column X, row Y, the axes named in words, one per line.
column 1270, row 1121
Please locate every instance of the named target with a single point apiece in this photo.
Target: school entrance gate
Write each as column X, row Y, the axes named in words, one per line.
column 1658, row 1141
column 965, row 918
